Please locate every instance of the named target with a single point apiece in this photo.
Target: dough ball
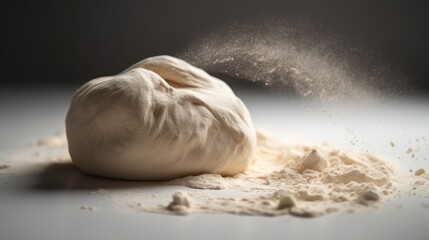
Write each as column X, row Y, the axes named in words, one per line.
column 160, row 119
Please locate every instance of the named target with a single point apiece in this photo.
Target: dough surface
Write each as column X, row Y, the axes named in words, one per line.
column 160, row 119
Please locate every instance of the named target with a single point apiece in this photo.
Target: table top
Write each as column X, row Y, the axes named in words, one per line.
column 46, row 205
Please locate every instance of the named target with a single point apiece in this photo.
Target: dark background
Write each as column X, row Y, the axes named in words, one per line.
column 68, row 43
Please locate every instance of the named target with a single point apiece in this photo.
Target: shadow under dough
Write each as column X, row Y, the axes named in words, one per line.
column 65, row 176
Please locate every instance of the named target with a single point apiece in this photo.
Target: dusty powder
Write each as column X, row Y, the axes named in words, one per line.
column 204, row 181
column 58, row 140
column 286, row 178
column 284, row 56
column 290, row 179
column 180, row 204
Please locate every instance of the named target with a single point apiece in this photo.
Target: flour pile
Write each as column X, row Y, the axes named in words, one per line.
column 285, row 178
column 292, row 179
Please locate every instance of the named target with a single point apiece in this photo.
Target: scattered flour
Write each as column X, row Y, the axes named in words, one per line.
column 204, row 181
column 420, row 171
column 284, row 179
column 181, row 203
column 58, row 140
column 283, row 56
column 292, row 179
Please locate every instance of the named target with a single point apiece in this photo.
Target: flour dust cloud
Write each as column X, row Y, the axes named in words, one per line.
column 294, row 58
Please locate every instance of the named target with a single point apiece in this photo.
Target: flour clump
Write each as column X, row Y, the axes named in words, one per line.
column 180, row 204
column 160, row 119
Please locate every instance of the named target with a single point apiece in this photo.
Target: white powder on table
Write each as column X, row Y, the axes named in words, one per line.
column 291, row 179
column 284, row 179
column 59, row 140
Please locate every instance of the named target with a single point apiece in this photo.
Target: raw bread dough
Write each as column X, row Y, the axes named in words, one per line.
column 160, row 119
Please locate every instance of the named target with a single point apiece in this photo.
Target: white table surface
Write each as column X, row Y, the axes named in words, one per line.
column 46, row 205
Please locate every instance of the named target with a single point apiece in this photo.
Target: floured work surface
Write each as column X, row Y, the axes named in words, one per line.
column 286, row 178
column 47, row 197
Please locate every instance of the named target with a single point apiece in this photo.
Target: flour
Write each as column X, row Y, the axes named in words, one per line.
column 296, row 179
column 285, row 178
column 420, row 171
column 181, row 203
column 283, row 56
column 58, row 140
column 313, row 161
column 164, row 119
column 204, row 181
